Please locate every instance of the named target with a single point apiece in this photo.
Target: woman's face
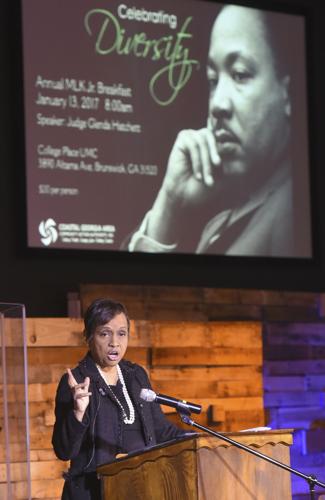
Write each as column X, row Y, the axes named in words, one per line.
column 109, row 342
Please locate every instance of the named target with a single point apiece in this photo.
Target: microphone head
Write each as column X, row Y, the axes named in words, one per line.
column 148, row 395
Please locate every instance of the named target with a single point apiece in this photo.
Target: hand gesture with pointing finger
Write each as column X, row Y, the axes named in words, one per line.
column 80, row 393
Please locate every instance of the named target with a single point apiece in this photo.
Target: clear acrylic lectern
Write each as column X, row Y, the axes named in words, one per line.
column 14, row 422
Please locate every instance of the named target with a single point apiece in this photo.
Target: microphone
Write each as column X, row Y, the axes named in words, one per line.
column 180, row 405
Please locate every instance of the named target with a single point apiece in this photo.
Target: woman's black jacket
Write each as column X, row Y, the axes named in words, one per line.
column 99, row 437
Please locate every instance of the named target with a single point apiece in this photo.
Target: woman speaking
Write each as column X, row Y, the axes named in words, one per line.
column 98, row 409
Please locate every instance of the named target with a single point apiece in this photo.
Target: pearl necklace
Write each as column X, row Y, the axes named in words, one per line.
column 126, row 419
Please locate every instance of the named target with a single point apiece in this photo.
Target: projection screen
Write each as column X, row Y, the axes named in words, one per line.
column 167, row 127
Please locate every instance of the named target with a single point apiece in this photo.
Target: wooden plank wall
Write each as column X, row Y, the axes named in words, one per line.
column 217, row 365
column 192, row 347
column 294, row 383
column 294, row 352
column 205, row 304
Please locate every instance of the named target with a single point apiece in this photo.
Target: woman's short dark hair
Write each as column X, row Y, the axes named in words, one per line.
column 100, row 312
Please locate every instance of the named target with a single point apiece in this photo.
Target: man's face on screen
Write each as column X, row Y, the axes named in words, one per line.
column 249, row 104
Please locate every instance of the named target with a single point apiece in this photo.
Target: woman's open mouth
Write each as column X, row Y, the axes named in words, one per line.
column 113, row 355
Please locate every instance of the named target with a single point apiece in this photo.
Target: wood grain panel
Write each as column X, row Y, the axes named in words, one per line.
column 68, row 332
column 206, row 373
column 189, row 334
column 70, row 357
column 203, row 356
column 200, row 389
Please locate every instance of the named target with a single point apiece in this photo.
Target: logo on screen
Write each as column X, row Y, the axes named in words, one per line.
column 48, row 232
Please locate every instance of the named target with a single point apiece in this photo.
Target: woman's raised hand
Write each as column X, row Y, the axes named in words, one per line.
column 80, row 393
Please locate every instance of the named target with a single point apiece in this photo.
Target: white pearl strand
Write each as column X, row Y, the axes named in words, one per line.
column 126, row 420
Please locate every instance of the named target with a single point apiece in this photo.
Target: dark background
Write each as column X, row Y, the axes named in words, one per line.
column 40, row 279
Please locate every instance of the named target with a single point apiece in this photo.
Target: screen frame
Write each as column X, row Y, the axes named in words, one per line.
column 204, row 261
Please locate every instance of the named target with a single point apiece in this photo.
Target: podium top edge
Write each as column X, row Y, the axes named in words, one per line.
column 194, row 441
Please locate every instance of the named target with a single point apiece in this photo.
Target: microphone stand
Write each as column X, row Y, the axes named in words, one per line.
column 311, row 480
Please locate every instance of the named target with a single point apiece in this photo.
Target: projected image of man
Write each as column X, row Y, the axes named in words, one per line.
column 227, row 187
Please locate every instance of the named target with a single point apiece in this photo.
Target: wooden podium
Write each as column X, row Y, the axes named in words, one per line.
column 202, row 467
